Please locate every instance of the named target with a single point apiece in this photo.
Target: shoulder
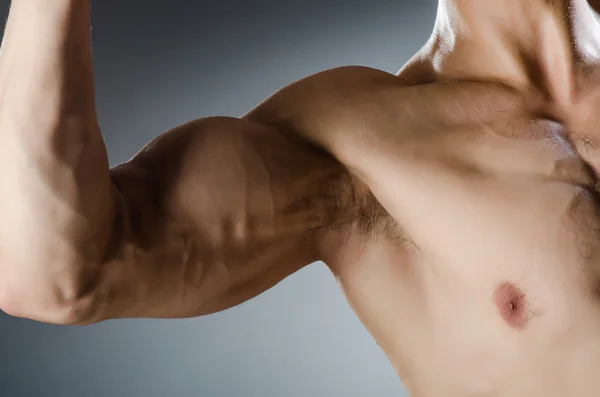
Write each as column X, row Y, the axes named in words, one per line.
column 322, row 99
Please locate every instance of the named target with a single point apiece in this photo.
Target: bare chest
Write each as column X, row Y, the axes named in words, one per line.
column 491, row 285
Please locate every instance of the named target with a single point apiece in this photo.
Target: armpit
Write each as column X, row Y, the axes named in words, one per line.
column 354, row 208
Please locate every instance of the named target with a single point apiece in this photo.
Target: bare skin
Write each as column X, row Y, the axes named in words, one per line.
column 456, row 202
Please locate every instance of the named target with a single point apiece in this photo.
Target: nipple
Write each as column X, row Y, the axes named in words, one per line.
column 512, row 305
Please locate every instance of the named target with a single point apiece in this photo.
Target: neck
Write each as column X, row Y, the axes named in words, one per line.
column 511, row 41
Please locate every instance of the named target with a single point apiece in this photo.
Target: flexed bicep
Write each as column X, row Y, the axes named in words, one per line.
column 214, row 213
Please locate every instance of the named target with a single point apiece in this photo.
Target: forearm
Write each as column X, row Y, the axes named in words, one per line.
column 46, row 61
column 57, row 196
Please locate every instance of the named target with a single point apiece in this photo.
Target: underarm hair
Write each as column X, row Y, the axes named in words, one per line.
column 348, row 203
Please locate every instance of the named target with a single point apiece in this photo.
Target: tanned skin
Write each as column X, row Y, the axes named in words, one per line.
column 456, row 202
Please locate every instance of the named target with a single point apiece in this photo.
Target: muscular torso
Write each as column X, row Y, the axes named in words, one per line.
column 483, row 279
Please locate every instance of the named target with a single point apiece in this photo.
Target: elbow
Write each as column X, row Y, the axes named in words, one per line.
column 48, row 304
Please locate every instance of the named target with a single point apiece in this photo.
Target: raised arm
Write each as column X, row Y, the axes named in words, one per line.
column 205, row 217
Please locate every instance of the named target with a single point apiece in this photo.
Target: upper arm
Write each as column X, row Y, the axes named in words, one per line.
column 212, row 214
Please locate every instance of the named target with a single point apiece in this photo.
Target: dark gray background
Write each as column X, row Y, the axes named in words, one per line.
column 163, row 63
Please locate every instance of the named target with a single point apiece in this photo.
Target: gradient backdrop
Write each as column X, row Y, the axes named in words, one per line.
column 160, row 64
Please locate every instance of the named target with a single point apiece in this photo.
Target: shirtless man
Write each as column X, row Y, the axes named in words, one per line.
column 455, row 202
